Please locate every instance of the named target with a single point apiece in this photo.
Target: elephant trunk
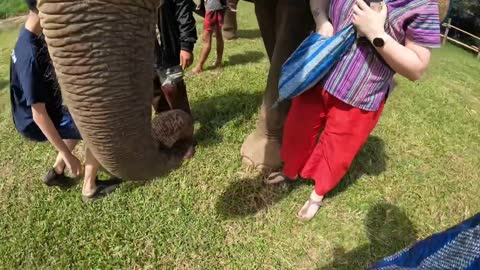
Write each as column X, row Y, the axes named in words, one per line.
column 102, row 52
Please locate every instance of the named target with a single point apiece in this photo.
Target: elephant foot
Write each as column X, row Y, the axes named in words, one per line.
column 261, row 153
column 230, row 35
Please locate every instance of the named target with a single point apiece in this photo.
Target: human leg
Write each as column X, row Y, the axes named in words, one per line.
column 220, row 47
column 208, row 28
column 206, row 48
column 346, row 130
column 90, row 175
column 92, row 189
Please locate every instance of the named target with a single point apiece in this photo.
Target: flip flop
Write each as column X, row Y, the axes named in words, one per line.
column 103, row 188
column 275, row 178
column 309, row 210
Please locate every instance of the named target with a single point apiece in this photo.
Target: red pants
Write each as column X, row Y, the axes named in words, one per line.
column 346, row 129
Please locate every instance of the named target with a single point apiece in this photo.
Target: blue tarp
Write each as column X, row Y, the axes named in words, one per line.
column 455, row 249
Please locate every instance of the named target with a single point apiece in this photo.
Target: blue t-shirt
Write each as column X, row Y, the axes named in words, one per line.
column 32, row 81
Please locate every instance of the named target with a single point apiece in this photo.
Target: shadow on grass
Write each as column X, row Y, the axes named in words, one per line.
column 388, row 230
column 244, row 58
column 249, row 33
column 249, row 196
column 240, row 59
column 3, row 84
column 214, row 112
column 372, row 160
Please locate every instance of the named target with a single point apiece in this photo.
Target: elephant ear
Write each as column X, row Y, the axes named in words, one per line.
column 444, row 8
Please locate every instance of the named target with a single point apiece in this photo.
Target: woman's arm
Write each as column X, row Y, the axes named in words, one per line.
column 409, row 60
column 319, row 10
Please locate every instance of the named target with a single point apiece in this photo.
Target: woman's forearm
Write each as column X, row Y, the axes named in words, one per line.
column 410, row 60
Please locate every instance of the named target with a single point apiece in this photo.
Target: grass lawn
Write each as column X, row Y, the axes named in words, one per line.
column 12, row 7
column 418, row 174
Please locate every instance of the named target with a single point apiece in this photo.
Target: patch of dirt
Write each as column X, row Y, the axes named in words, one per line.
column 12, row 22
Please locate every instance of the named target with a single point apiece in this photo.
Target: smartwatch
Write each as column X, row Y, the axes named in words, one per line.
column 378, row 42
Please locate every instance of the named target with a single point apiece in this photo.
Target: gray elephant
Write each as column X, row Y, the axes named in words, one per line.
column 102, row 52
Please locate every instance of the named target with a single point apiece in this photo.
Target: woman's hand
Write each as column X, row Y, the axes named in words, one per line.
column 369, row 23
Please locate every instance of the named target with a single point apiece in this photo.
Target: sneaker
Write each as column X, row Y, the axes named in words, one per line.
column 53, row 179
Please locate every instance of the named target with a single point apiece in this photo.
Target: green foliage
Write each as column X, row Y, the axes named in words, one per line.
column 418, row 174
column 12, row 7
column 465, row 14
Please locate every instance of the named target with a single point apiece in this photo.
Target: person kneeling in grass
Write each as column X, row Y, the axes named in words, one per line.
column 215, row 12
column 38, row 113
column 328, row 124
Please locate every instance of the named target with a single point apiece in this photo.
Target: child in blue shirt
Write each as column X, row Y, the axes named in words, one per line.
column 38, row 112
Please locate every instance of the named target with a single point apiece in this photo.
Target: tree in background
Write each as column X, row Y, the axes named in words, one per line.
column 465, row 15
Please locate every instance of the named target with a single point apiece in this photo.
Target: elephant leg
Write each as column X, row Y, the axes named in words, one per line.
column 230, row 27
column 284, row 24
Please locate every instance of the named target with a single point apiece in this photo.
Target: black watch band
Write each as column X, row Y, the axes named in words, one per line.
column 378, row 42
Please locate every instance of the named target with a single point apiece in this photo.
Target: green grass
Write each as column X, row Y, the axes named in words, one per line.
column 12, row 7
column 418, row 174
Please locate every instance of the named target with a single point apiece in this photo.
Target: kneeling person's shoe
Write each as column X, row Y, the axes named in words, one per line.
column 53, row 179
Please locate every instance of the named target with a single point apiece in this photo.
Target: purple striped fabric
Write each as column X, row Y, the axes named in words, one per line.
column 361, row 78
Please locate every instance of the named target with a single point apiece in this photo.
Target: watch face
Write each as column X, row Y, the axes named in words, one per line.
column 378, row 42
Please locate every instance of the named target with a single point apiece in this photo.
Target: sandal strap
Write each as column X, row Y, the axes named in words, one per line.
column 314, row 202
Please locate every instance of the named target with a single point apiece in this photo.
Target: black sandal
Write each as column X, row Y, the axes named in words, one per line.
column 103, row 188
column 53, row 179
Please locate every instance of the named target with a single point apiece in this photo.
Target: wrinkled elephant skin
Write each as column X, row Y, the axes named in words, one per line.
column 102, row 52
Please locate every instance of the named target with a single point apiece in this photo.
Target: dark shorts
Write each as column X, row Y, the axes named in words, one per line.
column 66, row 129
column 213, row 20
